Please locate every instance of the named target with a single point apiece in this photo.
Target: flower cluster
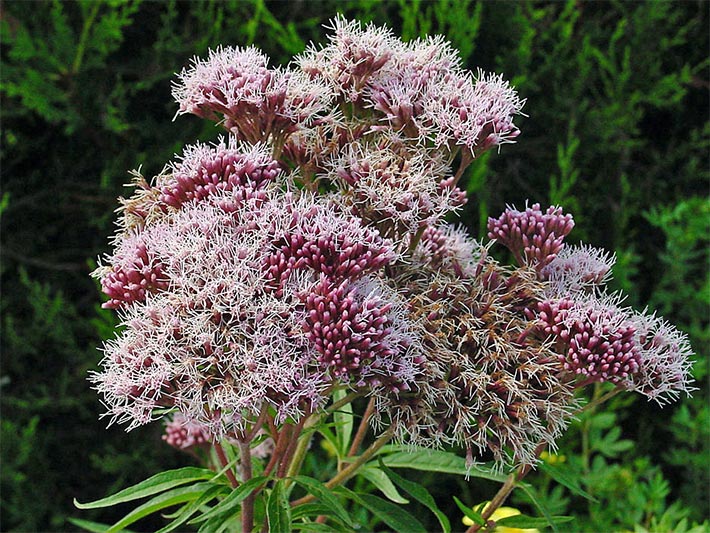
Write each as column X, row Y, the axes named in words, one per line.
column 534, row 237
column 308, row 252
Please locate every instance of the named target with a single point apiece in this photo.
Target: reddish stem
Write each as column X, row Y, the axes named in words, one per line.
column 362, row 429
column 223, row 460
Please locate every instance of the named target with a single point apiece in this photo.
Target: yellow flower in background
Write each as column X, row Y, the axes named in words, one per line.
column 500, row 514
column 553, row 458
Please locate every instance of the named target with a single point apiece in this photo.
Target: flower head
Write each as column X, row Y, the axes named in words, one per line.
column 595, row 337
column 244, row 170
column 257, row 103
column 664, row 358
column 352, row 57
column 534, row 237
column 577, row 268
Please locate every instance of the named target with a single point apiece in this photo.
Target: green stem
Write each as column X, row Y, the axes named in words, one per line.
column 81, row 47
column 348, row 472
column 497, row 501
column 505, row 490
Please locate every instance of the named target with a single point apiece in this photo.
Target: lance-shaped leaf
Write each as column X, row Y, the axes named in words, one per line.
column 392, row 515
column 153, row 485
column 419, row 493
column 278, row 510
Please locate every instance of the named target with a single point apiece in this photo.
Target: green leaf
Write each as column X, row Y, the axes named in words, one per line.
column 472, row 514
column 153, row 485
column 439, row 461
column 563, row 478
column 419, row 493
column 325, row 496
column 343, row 418
column 236, row 497
column 161, row 501
column 183, row 515
column 380, row 480
column 306, row 510
column 522, row 521
column 94, row 527
column 389, row 513
column 538, row 503
column 314, row 526
column 278, row 510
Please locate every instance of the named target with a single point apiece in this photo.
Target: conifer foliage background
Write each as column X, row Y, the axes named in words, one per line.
column 617, row 132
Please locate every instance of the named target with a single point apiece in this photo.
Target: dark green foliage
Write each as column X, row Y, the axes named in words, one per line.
column 617, row 133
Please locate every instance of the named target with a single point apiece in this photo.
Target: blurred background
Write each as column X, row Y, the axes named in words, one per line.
column 617, row 132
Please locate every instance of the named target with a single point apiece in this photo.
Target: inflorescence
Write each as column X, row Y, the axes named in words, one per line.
column 308, row 250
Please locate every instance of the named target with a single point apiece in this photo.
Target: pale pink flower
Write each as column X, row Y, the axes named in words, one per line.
column 185, row 434
column 256, row 103
column 577, row 268
column 395, row 189
column 665, row 359
column 353, row 56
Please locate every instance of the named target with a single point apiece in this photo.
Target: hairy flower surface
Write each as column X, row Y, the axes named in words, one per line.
column 352, row 57
column 257, row 103
column 665, row 359
column 450, row 249
column 218, row 342
column 577, row 268
column 490, row 386
column 398, row 190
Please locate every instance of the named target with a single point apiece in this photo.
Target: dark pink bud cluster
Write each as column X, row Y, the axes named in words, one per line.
column 534, row 237
column 184, row 434
column 320, row 240
column 205, row 170
column 353, row 327
column 134, row 273
column 595, row 340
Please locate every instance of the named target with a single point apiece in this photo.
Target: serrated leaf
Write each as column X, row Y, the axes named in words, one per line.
column 559, row 475
column 389, row 513
column 522, row 521
column 153, row 485
column 470, row 513
column 94, row 527
column 161, row 501
column 325, row 496
column 235, row 498
column 439, row 461
column 419, row 493
column 380, row 480
column 278, row 510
